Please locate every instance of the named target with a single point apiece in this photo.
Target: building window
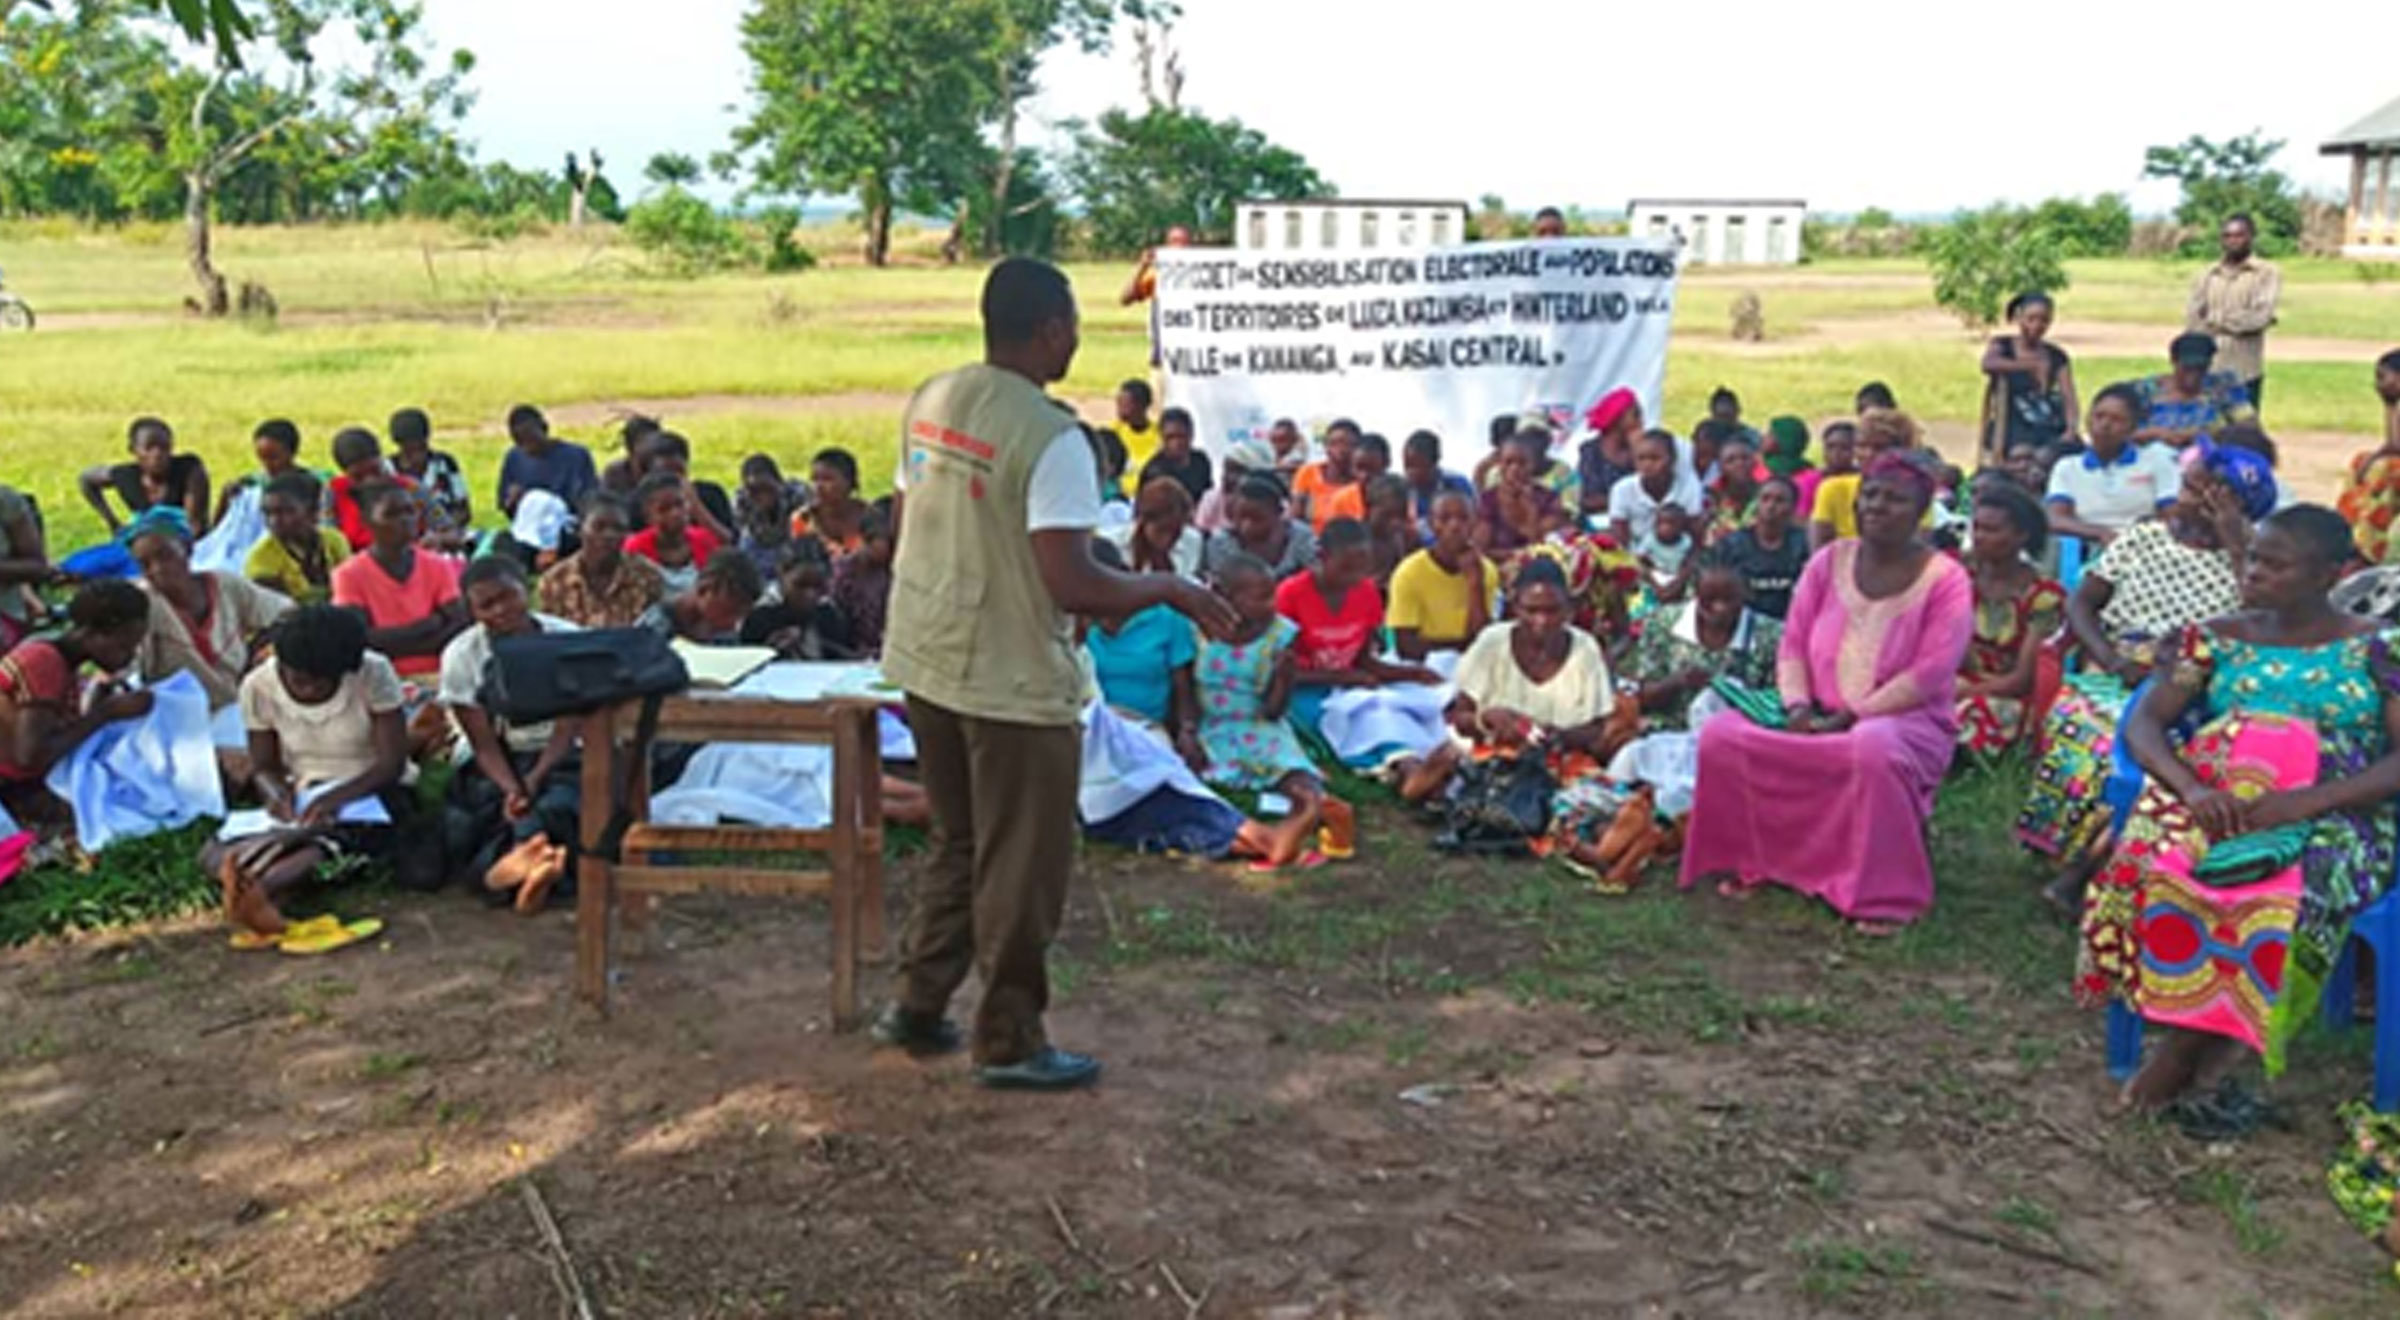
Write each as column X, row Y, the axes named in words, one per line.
column 1779, row 240
column 1368, row 223
column 1329, row 233
column 1408, row 229
column 1699, row 240
column 1441, row 229
column 1291, row 229
column 1737, row 240
column 1658, row 226
column 1258, row 229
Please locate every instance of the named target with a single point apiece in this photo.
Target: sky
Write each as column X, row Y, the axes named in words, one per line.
column 1914, row 106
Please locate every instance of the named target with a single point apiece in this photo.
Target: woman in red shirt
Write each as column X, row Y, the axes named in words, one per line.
column 672, row 540
column 1339, row 613
column 43, row 717
column 410, row 595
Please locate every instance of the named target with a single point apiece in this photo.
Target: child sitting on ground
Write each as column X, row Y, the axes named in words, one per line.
column 712, row 612
column 1666, row 554
column 45, row 713
column 763, row 509
column 802, row 625
column 1245, row 687
column 326, row 730
column 514, row 807
column 862, row 582
column 669, row 538
column 299, row 554
column 410, row 595
column 1337, row 614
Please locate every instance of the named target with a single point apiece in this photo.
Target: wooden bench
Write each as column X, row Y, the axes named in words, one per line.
column 852, row 846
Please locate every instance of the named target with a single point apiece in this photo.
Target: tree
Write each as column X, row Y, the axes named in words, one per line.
column 671, row 169
column 1981, row 259
column 1029, row 29
column 2101, row 227
column 886, row 99
column 2221, row 178
column 1139, row 175
column 218, row 22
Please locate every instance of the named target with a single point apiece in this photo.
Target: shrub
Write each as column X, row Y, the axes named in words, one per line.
column 683, row 233
column 783, row 254
column 1981, row 259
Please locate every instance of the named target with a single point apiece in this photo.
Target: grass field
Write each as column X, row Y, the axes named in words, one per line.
column 382, row 317
column 1413, row 1085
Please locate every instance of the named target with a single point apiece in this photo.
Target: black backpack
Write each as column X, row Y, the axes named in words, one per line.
column 547, row 675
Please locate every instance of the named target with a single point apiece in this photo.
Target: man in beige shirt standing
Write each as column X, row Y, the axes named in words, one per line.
column 2234, row 301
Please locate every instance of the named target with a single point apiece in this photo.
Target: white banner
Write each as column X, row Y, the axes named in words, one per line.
column 1443, row 339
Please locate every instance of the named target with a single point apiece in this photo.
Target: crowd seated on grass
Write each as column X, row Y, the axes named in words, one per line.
column 1751, row 658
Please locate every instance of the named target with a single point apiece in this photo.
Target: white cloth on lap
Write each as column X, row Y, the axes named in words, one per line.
column 778, row 785
column 1125, row 762
column 227, row 547
column 138, row 777
column 1669, row 762
column 1365, row 723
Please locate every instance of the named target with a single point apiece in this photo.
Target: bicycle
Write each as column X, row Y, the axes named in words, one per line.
column 15, row 312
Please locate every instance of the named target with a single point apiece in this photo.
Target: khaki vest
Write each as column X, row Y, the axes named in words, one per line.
column 972, row 628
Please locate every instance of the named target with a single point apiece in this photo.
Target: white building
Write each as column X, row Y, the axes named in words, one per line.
column 1723, row 233
column 1338, row 222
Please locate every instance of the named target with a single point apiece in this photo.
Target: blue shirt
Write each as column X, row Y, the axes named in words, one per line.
column 1137, row 667
column 565, row 470
column 1420, row 502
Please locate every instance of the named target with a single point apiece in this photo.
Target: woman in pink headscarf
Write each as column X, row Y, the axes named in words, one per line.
column 1607, row 457
column 1834, row 804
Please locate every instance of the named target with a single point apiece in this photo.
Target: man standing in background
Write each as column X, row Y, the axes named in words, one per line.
column 2234, row 301
column 998, row 499
column 1143, row 288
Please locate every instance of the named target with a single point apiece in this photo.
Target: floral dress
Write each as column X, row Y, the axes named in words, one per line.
column 1671, row 645
column 1245, row 749
column 2248, row 961
column 1986, row 724
column 2370, row 501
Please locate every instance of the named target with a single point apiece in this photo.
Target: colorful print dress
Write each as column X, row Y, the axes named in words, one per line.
column 2370, row 501
column 1989, row 725
column 2248, row 960
column 1245, row 749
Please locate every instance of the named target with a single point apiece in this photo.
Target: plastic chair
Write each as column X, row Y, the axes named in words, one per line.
column 2071, row 553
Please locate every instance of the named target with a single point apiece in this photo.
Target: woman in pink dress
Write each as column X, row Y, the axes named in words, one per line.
column 1835, row 804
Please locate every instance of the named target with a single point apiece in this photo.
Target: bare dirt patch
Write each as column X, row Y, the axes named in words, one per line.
column 1412, row 1086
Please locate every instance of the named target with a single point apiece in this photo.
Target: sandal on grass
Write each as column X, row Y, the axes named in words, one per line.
column 1308, row 861
column 339, row 935
column 251, row 941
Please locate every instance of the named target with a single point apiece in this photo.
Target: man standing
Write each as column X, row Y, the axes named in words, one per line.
column 999, row 499
column 1549, row 222
column 1143, row 287
column 2234, row 301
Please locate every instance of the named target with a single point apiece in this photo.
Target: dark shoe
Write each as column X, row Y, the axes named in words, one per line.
column 919, row 1034
column 1047, row 1069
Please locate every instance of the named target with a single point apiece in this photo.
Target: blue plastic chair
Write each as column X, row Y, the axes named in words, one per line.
column 2378, row 926
column 2071, row 551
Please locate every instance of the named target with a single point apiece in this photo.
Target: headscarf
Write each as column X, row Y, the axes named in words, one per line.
column 2249, row 476
column 156, row 520
column 1787, row 450
column 1905, row 472
column 1251, row 454
column 1612, row 406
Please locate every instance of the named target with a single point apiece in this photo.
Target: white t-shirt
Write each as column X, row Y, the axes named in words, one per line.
column 1580, row 692
column 1065, row 492
column 2143, row 480
column 329, row 742
column 1627, row 500
column 463, row 663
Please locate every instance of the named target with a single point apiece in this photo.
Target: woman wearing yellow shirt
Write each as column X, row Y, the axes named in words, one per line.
column 1441, row 596
column 298, row 555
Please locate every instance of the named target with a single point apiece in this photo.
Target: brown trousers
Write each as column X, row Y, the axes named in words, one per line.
column 1004, row 834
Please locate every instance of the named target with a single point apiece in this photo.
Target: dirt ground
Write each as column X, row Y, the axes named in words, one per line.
column 1412, row 1086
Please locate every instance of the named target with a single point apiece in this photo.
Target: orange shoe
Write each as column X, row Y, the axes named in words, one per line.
column 1337, row 838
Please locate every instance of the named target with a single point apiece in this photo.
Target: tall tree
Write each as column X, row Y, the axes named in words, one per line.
column 886, row 99
column 1138, row 175
column 1030, row 29
column 2221, row 178
column 672, row 169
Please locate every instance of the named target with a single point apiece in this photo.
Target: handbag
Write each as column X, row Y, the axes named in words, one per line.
column 1502, row 802
column 543, row 676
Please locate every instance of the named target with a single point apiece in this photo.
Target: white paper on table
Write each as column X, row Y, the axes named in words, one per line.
column 251, row 823
column 817, row 680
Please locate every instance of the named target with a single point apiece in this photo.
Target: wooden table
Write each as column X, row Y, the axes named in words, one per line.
column 852, row 846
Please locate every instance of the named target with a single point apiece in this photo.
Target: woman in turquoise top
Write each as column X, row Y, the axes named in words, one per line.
column 1144, row 667
column 2299, row 712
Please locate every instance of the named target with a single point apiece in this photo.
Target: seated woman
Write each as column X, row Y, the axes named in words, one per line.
column 837, row 515
column 1391, row 532
column 1732, row 494
column 2190, row 402
column 45, row 714
column 1833, row 515
column 514, row 807
column 862, row 582
column 299, row 554
column 762, row 511
column 1245, row 686
column 449, row 510
column 359, row 468
column 326, row 730
column 1835, row 803
column 1659, row 479
column 1143, row 665
column 1518, row 511
column 600, row 586
column 276, row 445
column 1686, row 646
column 706, row 504
column 24, row 566
column 1443, row 595
column 670, row 539
column 711, row 613
column 1160, row 538
column 1242, row 459
column 1257, row 525
column 157, row 478
column 801, row 624
column 2299, row 709
column 1338, row 613
column 2161, row 576
column 2017, row 610
column 1785, row 454
column 1771, row 551
column 1606, row 458
column 410, row 595
column 2117, row 480
column 211, row 625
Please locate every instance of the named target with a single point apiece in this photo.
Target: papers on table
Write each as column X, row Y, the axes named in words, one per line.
column 721, row 667
column 249, row 824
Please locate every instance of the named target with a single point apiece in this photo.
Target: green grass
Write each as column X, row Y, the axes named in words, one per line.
column 142, row 880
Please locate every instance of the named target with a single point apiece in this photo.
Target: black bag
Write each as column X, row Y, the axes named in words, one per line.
column 1502, row 803
column 543, row 676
